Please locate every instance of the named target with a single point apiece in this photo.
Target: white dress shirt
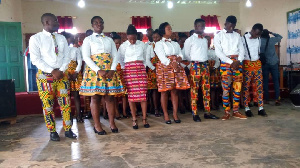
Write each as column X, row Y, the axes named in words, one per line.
column 227, row 44
column 75, row 55
column 149, row 55
column 167, row 47
column 212, row 56
column 132, row 52
column 97, row 44
column 42, row 52
column 196, row 48
column 254, row 47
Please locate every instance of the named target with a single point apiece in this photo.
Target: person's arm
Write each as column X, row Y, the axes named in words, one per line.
column 121, row 53
column 219, row 50
column 241, row 50
column 277, row 38
column 217, row 62
column 187, row 49
column 160, row 52
column 115, row 55
column 148, row 57
column 79, row 60
column 180, row 53
column 86, row 55
column 36, row 57
column 66, row 60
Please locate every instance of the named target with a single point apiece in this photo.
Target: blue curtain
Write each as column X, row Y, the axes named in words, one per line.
column 293, row 42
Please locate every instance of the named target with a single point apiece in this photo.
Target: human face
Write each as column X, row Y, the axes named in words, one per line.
column 181, row 41
column 199, row 27
column 156, row 37
column 98, row 25
column 255, row 33
column 71, row 40
column 168, row 31
column 229, row 26
column 149, row 34
column 51, row 24
column 118, row 43
column 132, row 38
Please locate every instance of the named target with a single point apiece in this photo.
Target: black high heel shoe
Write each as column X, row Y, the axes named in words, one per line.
column 147, row 124
column 177, row 121
column 135, row 126
column 168, row 122
column 103, row 132
column 116, row 130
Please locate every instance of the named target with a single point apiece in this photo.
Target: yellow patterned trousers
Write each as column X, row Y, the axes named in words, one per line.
column 50, row 88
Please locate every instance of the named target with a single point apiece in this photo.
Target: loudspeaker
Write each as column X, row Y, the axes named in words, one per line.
column 7, row 99
column 295, row 95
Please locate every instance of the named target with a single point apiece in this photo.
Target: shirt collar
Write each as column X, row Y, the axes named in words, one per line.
column 164, row 39
column 47, row 33
column 97, row 34
column 225, row 31
column 197, row 35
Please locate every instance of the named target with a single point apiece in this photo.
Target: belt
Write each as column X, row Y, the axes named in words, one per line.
column 198, row 62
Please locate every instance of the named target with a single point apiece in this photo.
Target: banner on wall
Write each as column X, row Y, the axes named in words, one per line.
column 293, row 41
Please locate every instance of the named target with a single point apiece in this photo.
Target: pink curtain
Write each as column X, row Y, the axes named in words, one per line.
column 211, row 21
column 65, row 22
column 141, row 22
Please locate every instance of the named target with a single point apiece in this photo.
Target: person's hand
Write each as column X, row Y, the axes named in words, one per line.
column 74, row 76
column 178, row 59
column 57, row 74
column 235, row 65
column 110, row 74
column 102, row 73
column 211, row 63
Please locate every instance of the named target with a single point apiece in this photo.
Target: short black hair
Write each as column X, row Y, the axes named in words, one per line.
column 198, row 21
column 192, row 32
column 95, row 17
column 66, row 34
column 258, row 26
column 47, row 15
column 265, row 34
column 181, row 35
column 115, row 36
column 162, row 28
column 149, row 29
column 156, row 31
column 231, row 19
column 131, row 30
column 89, row 32
column 140, row 36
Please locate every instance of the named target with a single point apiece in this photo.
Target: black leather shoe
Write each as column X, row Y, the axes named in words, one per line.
column 116, row 130
column 54, row 136
column 103, row 132
column 70, row 134
column 262, row 113
column 196, row 118
column 210, row 116
column 177, row 121
column 168, row 122
column 88, row 116
column 249, row 113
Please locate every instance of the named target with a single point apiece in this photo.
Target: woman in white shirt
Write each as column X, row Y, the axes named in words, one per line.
column 132, row 60
column 151, row 62
column 170, row 75
column 100, row 79
column 75, row 75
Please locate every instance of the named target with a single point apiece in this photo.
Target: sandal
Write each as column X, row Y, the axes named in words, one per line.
column 135, row 126
column 146, row 125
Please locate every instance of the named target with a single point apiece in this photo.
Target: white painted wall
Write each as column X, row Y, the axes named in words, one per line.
column 117, row 14
column 11, row 11
column 272, row 14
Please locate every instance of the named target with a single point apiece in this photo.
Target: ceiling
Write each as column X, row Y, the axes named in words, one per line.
column 157, row 1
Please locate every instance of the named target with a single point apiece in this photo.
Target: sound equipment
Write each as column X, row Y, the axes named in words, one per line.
column 295, row 96
column 7, row 99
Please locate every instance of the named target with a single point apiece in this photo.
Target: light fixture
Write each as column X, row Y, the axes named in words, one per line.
column 248, row 4
column 170, row 4
column 81, row 4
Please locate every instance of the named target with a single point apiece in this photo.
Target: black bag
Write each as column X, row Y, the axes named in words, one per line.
column 262, row 56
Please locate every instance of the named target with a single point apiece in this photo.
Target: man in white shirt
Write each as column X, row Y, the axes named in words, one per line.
column 196, row 52
column 252, row 68
column 229, row 48
column 50, row 54
column 149, row 35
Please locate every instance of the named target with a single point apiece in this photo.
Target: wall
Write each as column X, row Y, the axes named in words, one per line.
column 272, row 14
column 11, row 11
column 117, row 15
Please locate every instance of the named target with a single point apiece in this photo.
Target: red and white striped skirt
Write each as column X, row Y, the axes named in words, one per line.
column 135, row 77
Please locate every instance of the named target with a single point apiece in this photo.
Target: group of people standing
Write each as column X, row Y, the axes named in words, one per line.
column 130, row 69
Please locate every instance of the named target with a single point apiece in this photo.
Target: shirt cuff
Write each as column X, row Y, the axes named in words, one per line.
column 229, row 61
column 48, row 70
column 167, row 62
column 62, row 69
